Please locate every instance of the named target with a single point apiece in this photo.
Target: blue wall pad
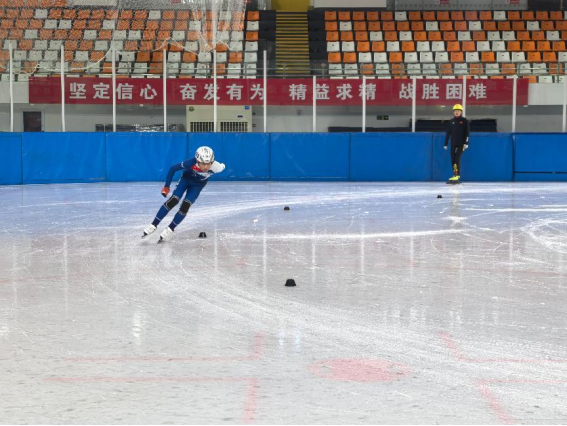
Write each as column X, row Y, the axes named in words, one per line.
column 63, row 157
column 143, row 156
column 390, row 157
column 541, row 153
column 489, row 158
column 10, row 159
column 540, row 177
column 310, row 156
column 246, row 155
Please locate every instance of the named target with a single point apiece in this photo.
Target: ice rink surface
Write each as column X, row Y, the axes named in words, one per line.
column 408, row 308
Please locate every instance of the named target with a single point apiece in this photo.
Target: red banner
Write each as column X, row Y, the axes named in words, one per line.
column 335, row 92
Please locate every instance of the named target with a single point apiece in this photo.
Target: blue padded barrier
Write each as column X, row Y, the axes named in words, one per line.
column 390, row 156
column 540, row 154
column 489, row 158
column 143, row 156
column 540, row 177
column 10, row 159
column 310, row 156
column 63, row 157
column 246, row 155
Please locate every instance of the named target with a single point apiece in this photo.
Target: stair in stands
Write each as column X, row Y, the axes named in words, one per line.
column 292, row 44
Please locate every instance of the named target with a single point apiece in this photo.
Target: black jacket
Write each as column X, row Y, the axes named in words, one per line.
column 458, row 130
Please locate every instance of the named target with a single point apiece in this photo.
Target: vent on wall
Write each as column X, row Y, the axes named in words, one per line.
column 234, row 126
column 202, row 126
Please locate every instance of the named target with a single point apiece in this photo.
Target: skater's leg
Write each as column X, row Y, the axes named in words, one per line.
column 171, row 203
column 190, row 197
column 457, row 162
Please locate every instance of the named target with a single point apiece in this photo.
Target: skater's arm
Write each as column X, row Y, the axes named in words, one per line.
column 447, row 133
column 467, row 132
column 175, row 168
column 217, row 167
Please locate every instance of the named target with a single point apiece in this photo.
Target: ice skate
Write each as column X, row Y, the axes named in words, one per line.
column 149, row 230
column 165, row 235
column 454, row 180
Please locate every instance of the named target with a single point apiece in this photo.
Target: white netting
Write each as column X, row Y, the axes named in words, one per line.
column 141, row 31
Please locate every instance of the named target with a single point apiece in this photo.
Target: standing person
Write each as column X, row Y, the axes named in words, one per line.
column 196, row 172
column 458, row 131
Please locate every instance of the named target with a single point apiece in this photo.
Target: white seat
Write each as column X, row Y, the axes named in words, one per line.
column 429, row 69
column 134, row 35
column 376, row 36
column 35, row 55
column 193, row 46
column 401, row 16
column 235, row 46
column 174, row 57
column 493, row 35
column 205, row 57
column 509, row 35
column 345, row 26
column 432, row 26
column 475, row 26
column 472, row 57
column 225, row 15
column 441, row 57
column 178, row 35
column 250, row 69
column 253, row 26
column 545, row 79
column 7, row 44
column 20, row 55
column 382, row 69
column 437, row 46
column 460, row 69
column 392, row 46
column 413, row 69
column 237, row 36
column 380, row 57
column 222, row 57
column 565, row 15
column 118, row 45
column 251, row 46
column 483, row 46
column 65, row 24
column 524, row 69
column 365, row 57
column 518, row 57
column 348, row 46
column 503, row 57
column 124, row 68
column 195, row 26
column 108, row 24
column 335, row 69
column 411, row 58
column 120, row 35
column 406, row 36
column 499, row 46
column 140, row 68
column 128, row 56
column 172, row 69
column 251, row 57
column 532, row 25
column 499, row 15
column 539, row 69
column 351, row 69
column 51, row 55
column 464, row 36
column 40, row 45
column 552, row 36
column 187, row 69
column 203, row 69
column 562, row 57
column 333, row 46
column 40, row 14
column 423, row 46
column 154, row 15
column 93, row 68
column 30, row 34
column 560, row 79
column 50, row 24
column 81, row 56
column 236, row 69
column 101, row 45
column 426, row 57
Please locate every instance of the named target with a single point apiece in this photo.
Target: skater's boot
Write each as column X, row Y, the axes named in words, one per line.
column 454, row 179
column 149, row 230
column 166, row 233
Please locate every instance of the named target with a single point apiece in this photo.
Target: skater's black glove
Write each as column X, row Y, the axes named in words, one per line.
column 165, row 191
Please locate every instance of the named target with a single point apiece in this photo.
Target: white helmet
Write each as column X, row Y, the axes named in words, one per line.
column 204, row 155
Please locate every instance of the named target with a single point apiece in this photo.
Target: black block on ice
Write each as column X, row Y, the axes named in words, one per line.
column 202, row 235
column 439, row 196
column 290, row 282
column 286, row 208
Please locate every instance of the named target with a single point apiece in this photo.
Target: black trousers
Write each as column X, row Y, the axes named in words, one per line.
column 456, row 153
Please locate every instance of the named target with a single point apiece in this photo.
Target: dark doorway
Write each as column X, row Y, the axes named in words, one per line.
column 32, row 121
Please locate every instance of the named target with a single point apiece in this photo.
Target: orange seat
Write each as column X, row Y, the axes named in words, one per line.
column 544, row 46
column 163, row 35
column 486, row 15
column 156, row 68
column 429, row 15
column 514, row 46
column 331, row 26
column 417, row 26
column 538, row 36
column 185, row 15
column 449, row 36
column 457, row 57
column 391, row 36
column 504, row 26
column 334, row 57
column 389, row 26
column 86, row 45
column 130, row 45
column 434, row 36
column 446, row 69
column 127, row 14
column 152, row 25
column 105, row 35
column 523, row 36
column 396, row 58
column 367, row 69
column 479, row 36
column 252, row 15
column 508, row 69
column 549, row 57
column 143, row 57
column 22, row 24
column 219, row 48
column 183, row 26
column 190, row 57
column 59, row 34
column 84, row 14
column 75, row 34
column 443, row 16
column 361, row 36
column 372, row 16
column 489, row 26
column 420, row 36
column 196, row 15
column 461, row 26
column 468, row 46
column 453, row 46
column 408, row 46
column 375, row 26
column 148, row 35
column 475, row 69
column 236, row 57
column 332, row 36
column 363, row 46
column 457, row 15
column 387, row 16
column 251, row 35
column 547, row 25
column 414, row 16
column 519, row 25
column 168, row 25
column 529, row 46
column 97, row 56
column 123, row 25
column 53, row 14
column 403, row 26
column 378, row 46
column 358, row 16
column 25, row 45
column 349, row 58
column 559, row 46
column 528, row 15
column 514, row 15
column 347, row 36
column 563, row 35
column 556, row 15
column 360, row 26
column 488, row 57
column 534, row 57
column 344, row 16
column 37, row 24
column 471, row 15
column 398, row 70
column 554, row 68
column 446, row 26
column 221, row 69
column 137, row 25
